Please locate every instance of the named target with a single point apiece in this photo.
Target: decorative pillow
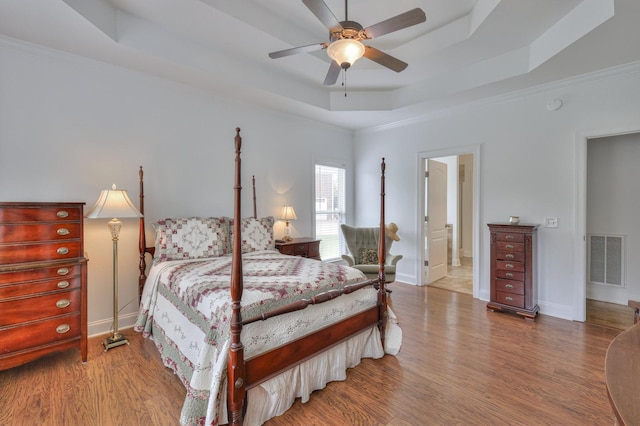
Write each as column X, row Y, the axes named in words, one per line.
column 191, row 238
column 257, row 234
column 367, row 256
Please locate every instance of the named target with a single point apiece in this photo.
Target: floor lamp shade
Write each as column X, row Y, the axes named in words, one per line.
column 114, row 204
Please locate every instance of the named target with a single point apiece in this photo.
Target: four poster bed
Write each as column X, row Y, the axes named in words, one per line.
column 247, row 329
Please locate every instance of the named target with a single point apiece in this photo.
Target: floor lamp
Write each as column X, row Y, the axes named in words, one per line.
column 113, row 204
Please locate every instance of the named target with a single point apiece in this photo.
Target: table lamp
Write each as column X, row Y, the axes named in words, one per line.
column 287, row 214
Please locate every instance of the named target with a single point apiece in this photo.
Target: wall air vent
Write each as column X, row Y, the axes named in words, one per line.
column 606, row 259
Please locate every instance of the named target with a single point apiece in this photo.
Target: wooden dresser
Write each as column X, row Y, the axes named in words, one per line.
column 513, row 269
column 304, row 247
column 43, row 281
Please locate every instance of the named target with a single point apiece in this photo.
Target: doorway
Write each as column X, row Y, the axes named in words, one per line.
column 611, row 228
column 581, row 265
column 449, row 248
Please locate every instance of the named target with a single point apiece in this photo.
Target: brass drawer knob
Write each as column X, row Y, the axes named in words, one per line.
column 509, row 256
column 63, row 271
column 63, row 284
column 509, row 299
column 509, row 237
column 63, row 328
column 62, row 214
column 509, row 246
column 63, row 303
column 62, row 251
column 508, row 266
column 509, row 286
column 62, row 231
column 509, row 275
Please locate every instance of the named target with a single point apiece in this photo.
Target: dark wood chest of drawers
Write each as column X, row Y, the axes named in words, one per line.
column 43, row 281
column 304, row 247
column 513, row 269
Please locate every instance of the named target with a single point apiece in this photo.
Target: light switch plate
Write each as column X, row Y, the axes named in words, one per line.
column 551, row 222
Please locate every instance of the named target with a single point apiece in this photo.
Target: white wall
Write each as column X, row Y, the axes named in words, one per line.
column 613, row 206
column 528, row 168
column 70, row 127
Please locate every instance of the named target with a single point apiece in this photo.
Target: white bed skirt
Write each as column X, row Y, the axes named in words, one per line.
column 275, row 396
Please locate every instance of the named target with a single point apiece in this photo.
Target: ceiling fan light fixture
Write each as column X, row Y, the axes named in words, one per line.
column 345, row 51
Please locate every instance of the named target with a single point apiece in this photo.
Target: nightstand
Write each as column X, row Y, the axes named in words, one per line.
column 304, row 247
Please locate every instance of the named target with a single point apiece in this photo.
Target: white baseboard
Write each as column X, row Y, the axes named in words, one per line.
column 556, row 310
column 100, row 327
column 406, row 278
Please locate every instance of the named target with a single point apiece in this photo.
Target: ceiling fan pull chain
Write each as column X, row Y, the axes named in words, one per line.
column 344, row 81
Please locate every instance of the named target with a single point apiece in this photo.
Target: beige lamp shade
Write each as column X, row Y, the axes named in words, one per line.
column 113, row 203
column 288, row 213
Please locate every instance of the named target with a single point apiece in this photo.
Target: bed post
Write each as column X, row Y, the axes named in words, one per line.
column 382, row 257
column 255, row 209
column 142, row 242
column 235, row 365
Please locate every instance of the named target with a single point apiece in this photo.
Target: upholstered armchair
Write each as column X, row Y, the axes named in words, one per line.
column 363, row 250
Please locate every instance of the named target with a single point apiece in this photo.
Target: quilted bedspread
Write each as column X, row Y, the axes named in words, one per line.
column 186, row 308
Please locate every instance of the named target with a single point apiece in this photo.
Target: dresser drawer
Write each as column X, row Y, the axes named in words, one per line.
column 37, row 273
column 29, row 232
column 16, row 311
column 510, row 275
column 35, row 252
column 510, row 266
column 511, row 299
column 36, row 287
column 314, row 250
column 512, row 247
column 39, row 213
column 510, row 256
column 16, row 338
column 288, row 250
column 510, row 286
column 510, row 237
column 299, row 249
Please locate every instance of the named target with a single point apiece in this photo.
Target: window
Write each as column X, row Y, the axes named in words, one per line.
column 330, row 209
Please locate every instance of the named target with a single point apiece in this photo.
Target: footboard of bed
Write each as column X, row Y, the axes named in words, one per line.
column 274, row 362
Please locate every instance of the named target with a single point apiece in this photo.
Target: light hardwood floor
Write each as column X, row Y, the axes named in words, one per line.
column 459, row 364
column 460, row 279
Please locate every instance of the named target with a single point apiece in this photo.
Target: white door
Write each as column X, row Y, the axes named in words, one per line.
column 436, row 223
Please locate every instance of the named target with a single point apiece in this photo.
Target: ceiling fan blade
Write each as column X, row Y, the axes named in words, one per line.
column 332, row 74
column 323, row 13
column 398, row 22
column 384, row 59
column 296, row 50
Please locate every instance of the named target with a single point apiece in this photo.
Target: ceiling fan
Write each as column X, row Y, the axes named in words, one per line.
column 345, row 39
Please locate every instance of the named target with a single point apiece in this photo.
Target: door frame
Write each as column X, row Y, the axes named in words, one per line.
column 477, row 260
column 580, row 209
